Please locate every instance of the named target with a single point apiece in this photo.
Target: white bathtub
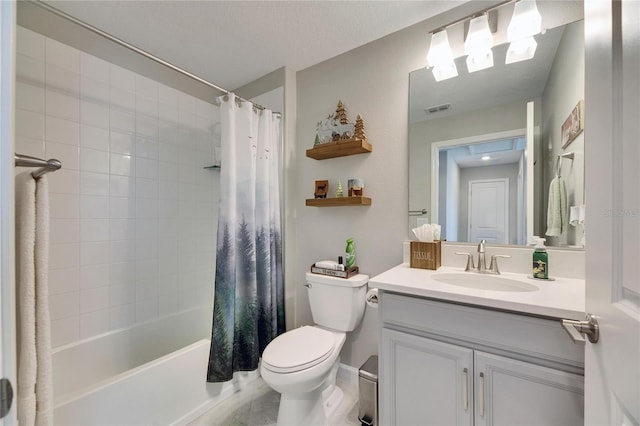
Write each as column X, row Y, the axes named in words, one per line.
column 151, row 374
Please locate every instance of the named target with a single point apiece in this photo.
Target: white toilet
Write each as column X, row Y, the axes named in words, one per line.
column 302, row 364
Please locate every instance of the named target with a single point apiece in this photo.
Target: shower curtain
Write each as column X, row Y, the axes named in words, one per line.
column 248, row 308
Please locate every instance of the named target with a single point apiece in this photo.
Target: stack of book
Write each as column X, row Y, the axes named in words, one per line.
column 334, row 273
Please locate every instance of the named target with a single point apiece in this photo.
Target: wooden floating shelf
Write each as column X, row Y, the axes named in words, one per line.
column 339, row 149
column 336, row 202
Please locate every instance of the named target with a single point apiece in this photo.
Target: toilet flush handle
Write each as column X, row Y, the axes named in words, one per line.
column 308, row 285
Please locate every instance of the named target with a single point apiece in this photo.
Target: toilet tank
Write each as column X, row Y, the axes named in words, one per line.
column 337, row 303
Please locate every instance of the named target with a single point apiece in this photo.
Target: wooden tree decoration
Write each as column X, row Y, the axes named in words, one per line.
column 341, row 113
column 359, row 129
column 339, row 192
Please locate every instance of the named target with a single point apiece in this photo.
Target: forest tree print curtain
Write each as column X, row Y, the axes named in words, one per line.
column 248, row 309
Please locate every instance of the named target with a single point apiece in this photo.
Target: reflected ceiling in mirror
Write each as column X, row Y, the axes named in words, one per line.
column 493, row 103
column 499, row 85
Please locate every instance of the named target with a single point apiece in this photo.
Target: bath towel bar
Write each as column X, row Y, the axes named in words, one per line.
column 46, row 166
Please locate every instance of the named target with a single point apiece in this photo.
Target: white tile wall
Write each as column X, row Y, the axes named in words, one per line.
column 133, row 213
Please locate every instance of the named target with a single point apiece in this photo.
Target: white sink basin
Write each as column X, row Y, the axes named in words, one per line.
column 483, row 282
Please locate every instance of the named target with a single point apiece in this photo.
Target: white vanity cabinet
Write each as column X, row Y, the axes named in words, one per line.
column 424, row 381
column 443, row 363
column 512, row 392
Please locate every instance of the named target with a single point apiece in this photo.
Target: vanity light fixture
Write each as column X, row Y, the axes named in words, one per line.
column 440, row 57
column 525, row 23
column 478, row 44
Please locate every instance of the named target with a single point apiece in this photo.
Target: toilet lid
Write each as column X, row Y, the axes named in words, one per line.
column 298, row 349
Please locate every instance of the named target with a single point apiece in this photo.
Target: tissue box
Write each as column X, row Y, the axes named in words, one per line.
column 425, row 255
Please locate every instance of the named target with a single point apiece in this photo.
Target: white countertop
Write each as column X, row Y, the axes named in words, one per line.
column 562, row 298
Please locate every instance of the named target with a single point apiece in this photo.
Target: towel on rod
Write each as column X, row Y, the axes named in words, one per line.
column 35, row 387
column 557, row 208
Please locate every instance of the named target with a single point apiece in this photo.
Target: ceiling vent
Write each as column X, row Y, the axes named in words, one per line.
column 438, row 108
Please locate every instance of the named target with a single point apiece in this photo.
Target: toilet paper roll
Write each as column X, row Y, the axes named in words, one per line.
column 372, row 298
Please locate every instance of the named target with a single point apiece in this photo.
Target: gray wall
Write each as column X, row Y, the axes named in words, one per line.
column 373, row 81
column 564, row 89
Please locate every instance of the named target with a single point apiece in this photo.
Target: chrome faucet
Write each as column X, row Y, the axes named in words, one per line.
column 482, row 263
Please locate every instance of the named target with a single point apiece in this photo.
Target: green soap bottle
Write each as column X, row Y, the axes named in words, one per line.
column 540, row 261
column 350, row 254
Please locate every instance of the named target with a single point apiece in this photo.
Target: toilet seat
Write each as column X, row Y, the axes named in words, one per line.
column 298, row 350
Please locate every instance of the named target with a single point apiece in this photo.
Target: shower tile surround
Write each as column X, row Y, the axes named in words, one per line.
column 133, row 212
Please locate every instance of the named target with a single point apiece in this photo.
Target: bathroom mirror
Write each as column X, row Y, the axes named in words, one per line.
column 484, row 146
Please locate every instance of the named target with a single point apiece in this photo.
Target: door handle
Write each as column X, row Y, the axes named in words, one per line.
column 576, row 329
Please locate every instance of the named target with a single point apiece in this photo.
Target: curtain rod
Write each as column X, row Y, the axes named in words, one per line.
column 130, row 46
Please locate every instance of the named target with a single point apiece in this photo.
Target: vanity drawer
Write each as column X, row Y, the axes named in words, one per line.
column 530, row 338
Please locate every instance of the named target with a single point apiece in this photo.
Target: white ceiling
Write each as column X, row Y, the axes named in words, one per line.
column 232, row 43
column 505, row 151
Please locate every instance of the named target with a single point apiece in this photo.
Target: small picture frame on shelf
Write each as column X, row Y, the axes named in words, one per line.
column 321, row 189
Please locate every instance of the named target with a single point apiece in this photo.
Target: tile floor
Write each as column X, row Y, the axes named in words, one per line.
column 257, row 405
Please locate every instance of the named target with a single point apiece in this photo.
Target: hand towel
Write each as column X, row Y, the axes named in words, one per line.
column 557, row 208
column 35, row 389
